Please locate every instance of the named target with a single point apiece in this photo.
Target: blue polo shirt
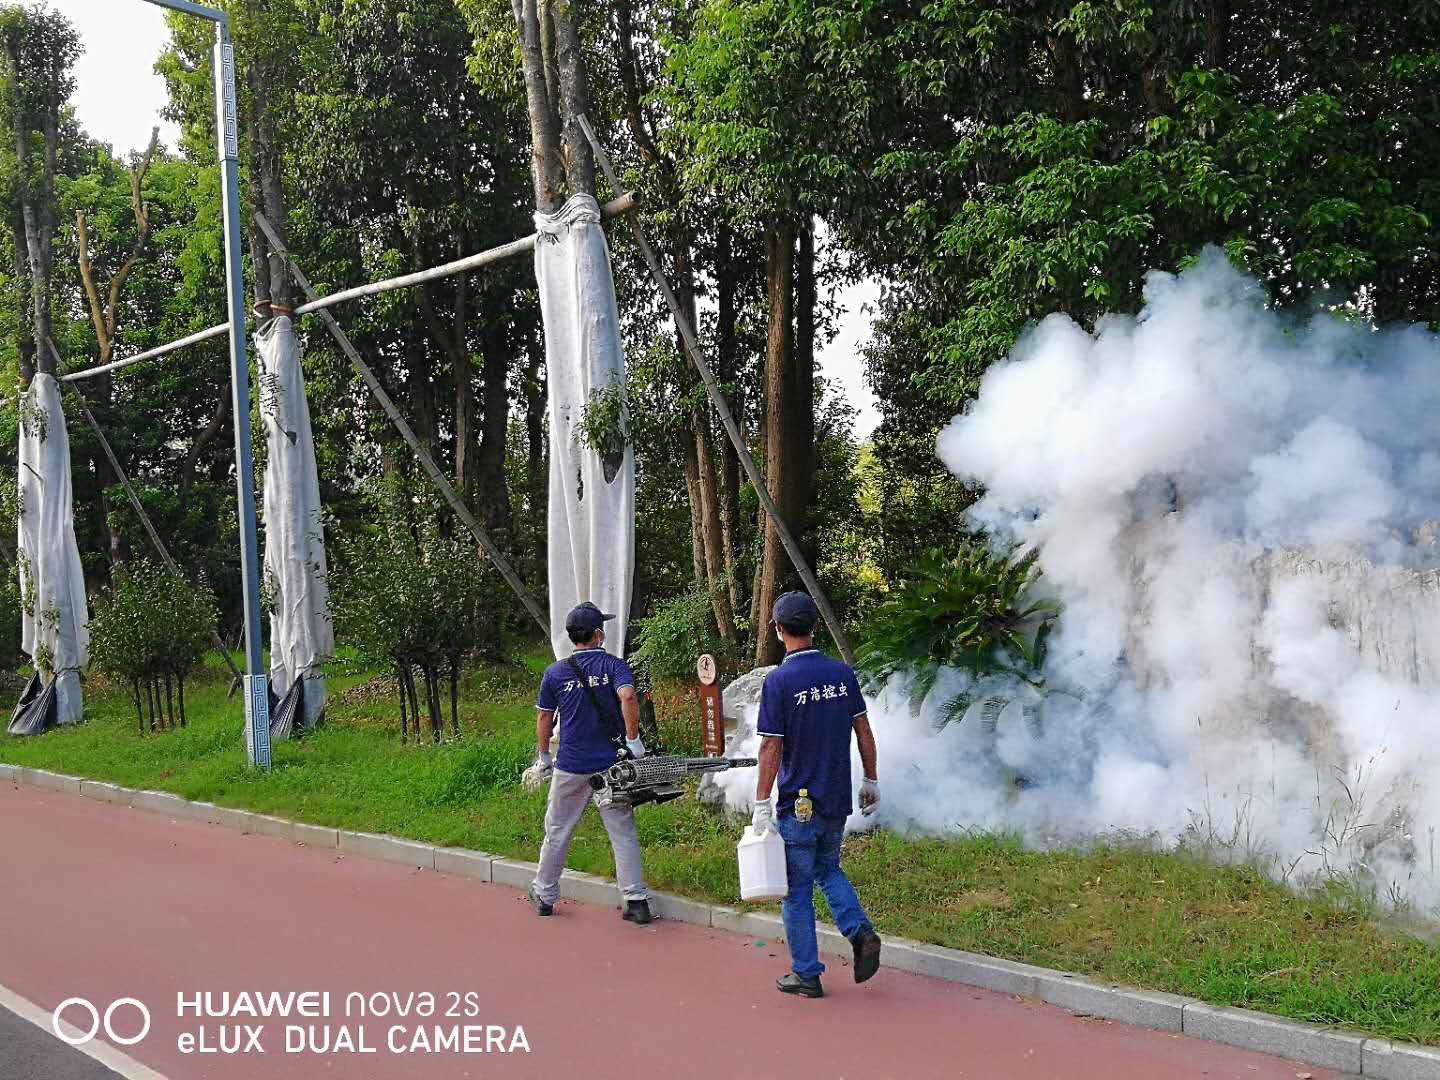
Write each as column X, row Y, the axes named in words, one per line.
column 811, row 702
column 586, row 743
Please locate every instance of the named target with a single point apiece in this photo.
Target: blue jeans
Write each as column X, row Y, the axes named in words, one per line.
column 812, row 857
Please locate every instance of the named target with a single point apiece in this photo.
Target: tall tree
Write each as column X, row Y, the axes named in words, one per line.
column 638, row 68
column 104, row 303
column 36, row 80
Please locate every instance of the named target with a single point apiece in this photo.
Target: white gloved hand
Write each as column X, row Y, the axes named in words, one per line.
column 536, row 775
column 762, row 818
column 636, row 747
column 869, row 795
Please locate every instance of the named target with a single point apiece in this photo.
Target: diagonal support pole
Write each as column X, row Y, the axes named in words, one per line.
column 170, row 563
column 426, row 461
column 717, row 399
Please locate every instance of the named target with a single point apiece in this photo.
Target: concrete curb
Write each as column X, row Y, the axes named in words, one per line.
column 1244, row 1028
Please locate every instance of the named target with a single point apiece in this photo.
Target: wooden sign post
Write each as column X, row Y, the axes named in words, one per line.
column 712, row 718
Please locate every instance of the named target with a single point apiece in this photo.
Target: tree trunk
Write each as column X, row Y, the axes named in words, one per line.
column 492, row 493
column 547, row 169
column 259, row 244
column 700, row 482
column 404, row 712
column 690, row 467
column 455, row 695
column 432, row 702
column 779, row 389
column 1070, row 86
column 710, row 530
column 25, row 335
column 574, row 96
column 729, row 471
column 202, row 439
column 536, row 473
column 272, row 280
column 800, row 425
column 1217, row 35
column 420, row 385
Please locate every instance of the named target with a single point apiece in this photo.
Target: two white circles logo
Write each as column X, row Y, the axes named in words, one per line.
column 96, row 1021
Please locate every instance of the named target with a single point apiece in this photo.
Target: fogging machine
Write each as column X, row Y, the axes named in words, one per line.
column 655, row 779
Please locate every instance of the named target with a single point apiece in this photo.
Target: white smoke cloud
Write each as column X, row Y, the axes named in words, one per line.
column 1232, row 506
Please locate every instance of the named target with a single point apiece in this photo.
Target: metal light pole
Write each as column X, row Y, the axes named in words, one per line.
column 227, row 132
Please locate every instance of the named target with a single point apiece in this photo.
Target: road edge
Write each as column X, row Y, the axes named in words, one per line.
column 1245, row 1029
column 116, row 1060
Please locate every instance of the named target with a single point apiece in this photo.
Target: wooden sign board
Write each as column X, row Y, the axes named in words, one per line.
column 712, row 718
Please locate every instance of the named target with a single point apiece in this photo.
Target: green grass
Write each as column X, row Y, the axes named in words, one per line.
column 1159, row 920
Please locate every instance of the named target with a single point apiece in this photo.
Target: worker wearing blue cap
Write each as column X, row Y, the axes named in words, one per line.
column 593, row 694
column 809, row 705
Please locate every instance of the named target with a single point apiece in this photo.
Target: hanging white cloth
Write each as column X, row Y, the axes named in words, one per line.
column 301, row 634
column 55, row 630
column 592, row 495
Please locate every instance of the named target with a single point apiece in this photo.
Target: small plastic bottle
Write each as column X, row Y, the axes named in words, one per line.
column 804, row 808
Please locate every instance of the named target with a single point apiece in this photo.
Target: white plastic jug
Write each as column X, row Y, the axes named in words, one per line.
column 762, row 865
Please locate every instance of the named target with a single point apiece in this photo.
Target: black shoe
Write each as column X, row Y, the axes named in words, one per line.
column 800, row 986
column 540, row 906
column 637, row 911
column 867, row 953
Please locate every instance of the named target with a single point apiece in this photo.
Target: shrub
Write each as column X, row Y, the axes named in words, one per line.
column 411, row 598
column 677, row 631
column 10, row 624
column 152, row 632
column 974, row 611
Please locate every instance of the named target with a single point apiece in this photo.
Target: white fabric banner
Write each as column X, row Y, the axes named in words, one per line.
column 592, row 496
column 52, row 583
column 301, row 634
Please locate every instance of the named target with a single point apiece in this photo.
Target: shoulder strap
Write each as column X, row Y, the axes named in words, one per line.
column 607, row 717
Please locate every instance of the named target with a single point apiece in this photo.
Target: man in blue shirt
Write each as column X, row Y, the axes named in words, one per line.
column 809, row 705
column 593, row 693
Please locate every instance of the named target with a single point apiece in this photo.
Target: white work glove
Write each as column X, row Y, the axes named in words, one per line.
column 762, row 818
column 537, row 774
column 636, row 747
column 869, row 795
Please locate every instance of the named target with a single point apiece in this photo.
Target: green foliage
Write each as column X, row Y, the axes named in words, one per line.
column 47, row 47
column 679, row 630
column 411, row 595
column 153, row 624
column 604, row 424
column 153, row 629
column 975, row 611
column 998, row 163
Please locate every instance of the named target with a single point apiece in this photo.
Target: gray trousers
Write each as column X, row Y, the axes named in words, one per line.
column 569, row 794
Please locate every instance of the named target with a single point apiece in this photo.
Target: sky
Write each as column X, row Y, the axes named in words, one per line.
column 119, row 98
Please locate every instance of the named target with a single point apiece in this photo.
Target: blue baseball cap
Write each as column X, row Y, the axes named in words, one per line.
column 795, row 609
column 586, row 618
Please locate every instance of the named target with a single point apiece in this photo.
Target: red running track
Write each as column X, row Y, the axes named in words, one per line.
column 106, row 902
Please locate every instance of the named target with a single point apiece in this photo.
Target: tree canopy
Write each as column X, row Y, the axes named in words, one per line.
column 987, row 163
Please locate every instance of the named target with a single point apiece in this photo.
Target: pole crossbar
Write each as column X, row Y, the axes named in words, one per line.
column 611, row 209
column 722, row 407
column 139, row 509
column 513, row 579
column 614, row 208
column 160, row 350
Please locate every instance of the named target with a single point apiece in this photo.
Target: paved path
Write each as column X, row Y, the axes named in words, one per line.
column 105, row 902
column 29, row 1053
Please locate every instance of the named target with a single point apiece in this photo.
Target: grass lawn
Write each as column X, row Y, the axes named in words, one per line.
column 1163, row 921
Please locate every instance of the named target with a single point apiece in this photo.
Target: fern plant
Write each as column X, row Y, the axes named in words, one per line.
column 974, row 611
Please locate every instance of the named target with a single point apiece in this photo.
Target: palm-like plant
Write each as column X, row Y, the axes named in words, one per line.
column 976, row 612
